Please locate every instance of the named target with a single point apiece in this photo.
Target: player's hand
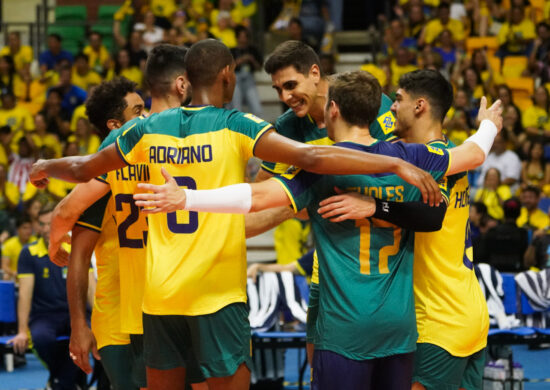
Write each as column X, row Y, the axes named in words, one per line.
column 38, row 176
column 350, row 205
column 165, row 198
column 82, row 343
column 421, row 179
column 20, row 342
column 58, row 255
column 252, row 271
column 493, row 113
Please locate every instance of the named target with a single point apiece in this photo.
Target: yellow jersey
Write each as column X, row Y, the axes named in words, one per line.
column 12, row 248
column 535, row 116
column 538, row 219
column 196, row 262
column 435, row 27
column 106, row 310
column 451, row 311
column 23, row 57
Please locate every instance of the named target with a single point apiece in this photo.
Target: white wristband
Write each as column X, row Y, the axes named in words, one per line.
column 234, row 199
column 485, row 136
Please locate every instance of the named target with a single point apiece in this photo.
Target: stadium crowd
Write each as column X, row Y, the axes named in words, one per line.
column 496, row 49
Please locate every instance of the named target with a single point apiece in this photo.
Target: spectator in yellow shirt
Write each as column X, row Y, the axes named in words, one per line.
column 43, row 139
column 22, row 54
column 16, row 117
column 493, row 194
column 531, row 217
column 517, row 35
column 98, row 55
column 400, row 65
column 535, row 119
column 442, row 22
column 223, row 31
column 124, row 68
column 9, row 79
column 13, row 246
column 82, row 75
column 88, row 142
column 30, row 92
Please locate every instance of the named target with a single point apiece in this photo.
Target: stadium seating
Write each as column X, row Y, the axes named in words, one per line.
column 106, row 12
column 70, row 13
column 522, row 90
column 489, row 43
column 513, row 66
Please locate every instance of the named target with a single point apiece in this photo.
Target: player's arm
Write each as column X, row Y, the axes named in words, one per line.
column 236, row 199
column 77, row 169
column 415, row 216
column 342, row 161
column 67, row 213
column 21, row 340
column 473, row 152
column 253, row 269
column 262, row 221
column 82, row 339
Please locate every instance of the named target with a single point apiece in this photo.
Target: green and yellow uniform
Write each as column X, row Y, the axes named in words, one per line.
column 365, row 258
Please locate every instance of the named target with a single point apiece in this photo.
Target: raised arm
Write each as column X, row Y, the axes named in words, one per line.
column 67, row 213
column 82, row 340
column 332, row 160
column 78, row 169
column 473, row 152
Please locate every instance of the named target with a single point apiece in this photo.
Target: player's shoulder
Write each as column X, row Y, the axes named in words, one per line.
column 289, row 123
column 114, row 134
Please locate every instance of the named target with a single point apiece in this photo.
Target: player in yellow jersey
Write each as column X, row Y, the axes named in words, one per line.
column 110, row 105
column 182, row 294
column 451, row 311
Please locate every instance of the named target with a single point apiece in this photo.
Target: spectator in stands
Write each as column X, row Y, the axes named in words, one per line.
column 134, row 44
column 21, row 163
column 541, row 46
column 328, row 63
column 8, row 200
column 401, row 64
column 473, row 85
column 98, row 55
column 416, row 22
column 223, row 31
column 30, row 92
column 57, row 119
column 42, row 139
column 441, row 22
column 459, row 126
column 247, row 60
column 295, row 30
column 152, row 34
column 535, row 171
column 493, row 194
column 504, row 246
column 125, row 68
column 13, row 246
column 511, row 125
column 73, row 96
column 180, row 23
column 49, row 58
column 82, row 76
column 446, row 48
column 8, row 75
column 531, row 216
column 538, row 251
column 163, row 11
column 14, row 116
column 516, row 36
column 88, row 142
column 315, row 18
column 535, row 119
column 42, row 308
column 22, row 54
column 480, row 223
column 394, row 37
column 506, row 161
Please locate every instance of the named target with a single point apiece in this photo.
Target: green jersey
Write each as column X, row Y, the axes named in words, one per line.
column 366, row 305
column 304, row 129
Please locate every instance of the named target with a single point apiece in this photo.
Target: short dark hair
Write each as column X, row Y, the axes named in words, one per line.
column 204, row 60
column 431, row 85
column 292, row 53
column 164, row 64
column 358, row 95
column 511, row 208
column 22, row 219
column 240, row 28
column 534, row 189
column 107, row 102
column 81, row 56
column 55, row 36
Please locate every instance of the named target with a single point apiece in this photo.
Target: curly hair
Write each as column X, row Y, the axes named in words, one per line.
column 107, row 102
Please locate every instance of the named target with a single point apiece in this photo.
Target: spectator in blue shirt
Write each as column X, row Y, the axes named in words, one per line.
column 50, row 58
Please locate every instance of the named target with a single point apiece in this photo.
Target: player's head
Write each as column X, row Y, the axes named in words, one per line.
column 165, row 72
column 209, row 62
column 353, row 97
column 295, row 71
column 421, row 92
column 113, row 103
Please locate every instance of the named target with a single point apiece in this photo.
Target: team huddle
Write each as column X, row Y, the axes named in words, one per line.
column 165, row 205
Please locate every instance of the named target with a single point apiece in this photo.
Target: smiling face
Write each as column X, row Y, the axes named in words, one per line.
column 403, row 109
column 296, row 90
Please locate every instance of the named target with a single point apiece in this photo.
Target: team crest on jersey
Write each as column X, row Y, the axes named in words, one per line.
column 435, row 150
column 254, row 118
column 387, row 122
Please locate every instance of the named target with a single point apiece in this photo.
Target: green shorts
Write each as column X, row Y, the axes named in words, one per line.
column 312, row 313
column 117, row 363
column 437, row 369
column 139, row 374
column 219, row 342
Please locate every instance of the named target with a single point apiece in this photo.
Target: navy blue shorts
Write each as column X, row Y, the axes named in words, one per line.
column 334, row 371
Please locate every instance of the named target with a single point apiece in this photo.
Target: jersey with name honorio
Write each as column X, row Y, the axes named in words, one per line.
column 99, row 217
column 451, row 311
column 366, row 304
column 131, row 232
column 196, row 262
